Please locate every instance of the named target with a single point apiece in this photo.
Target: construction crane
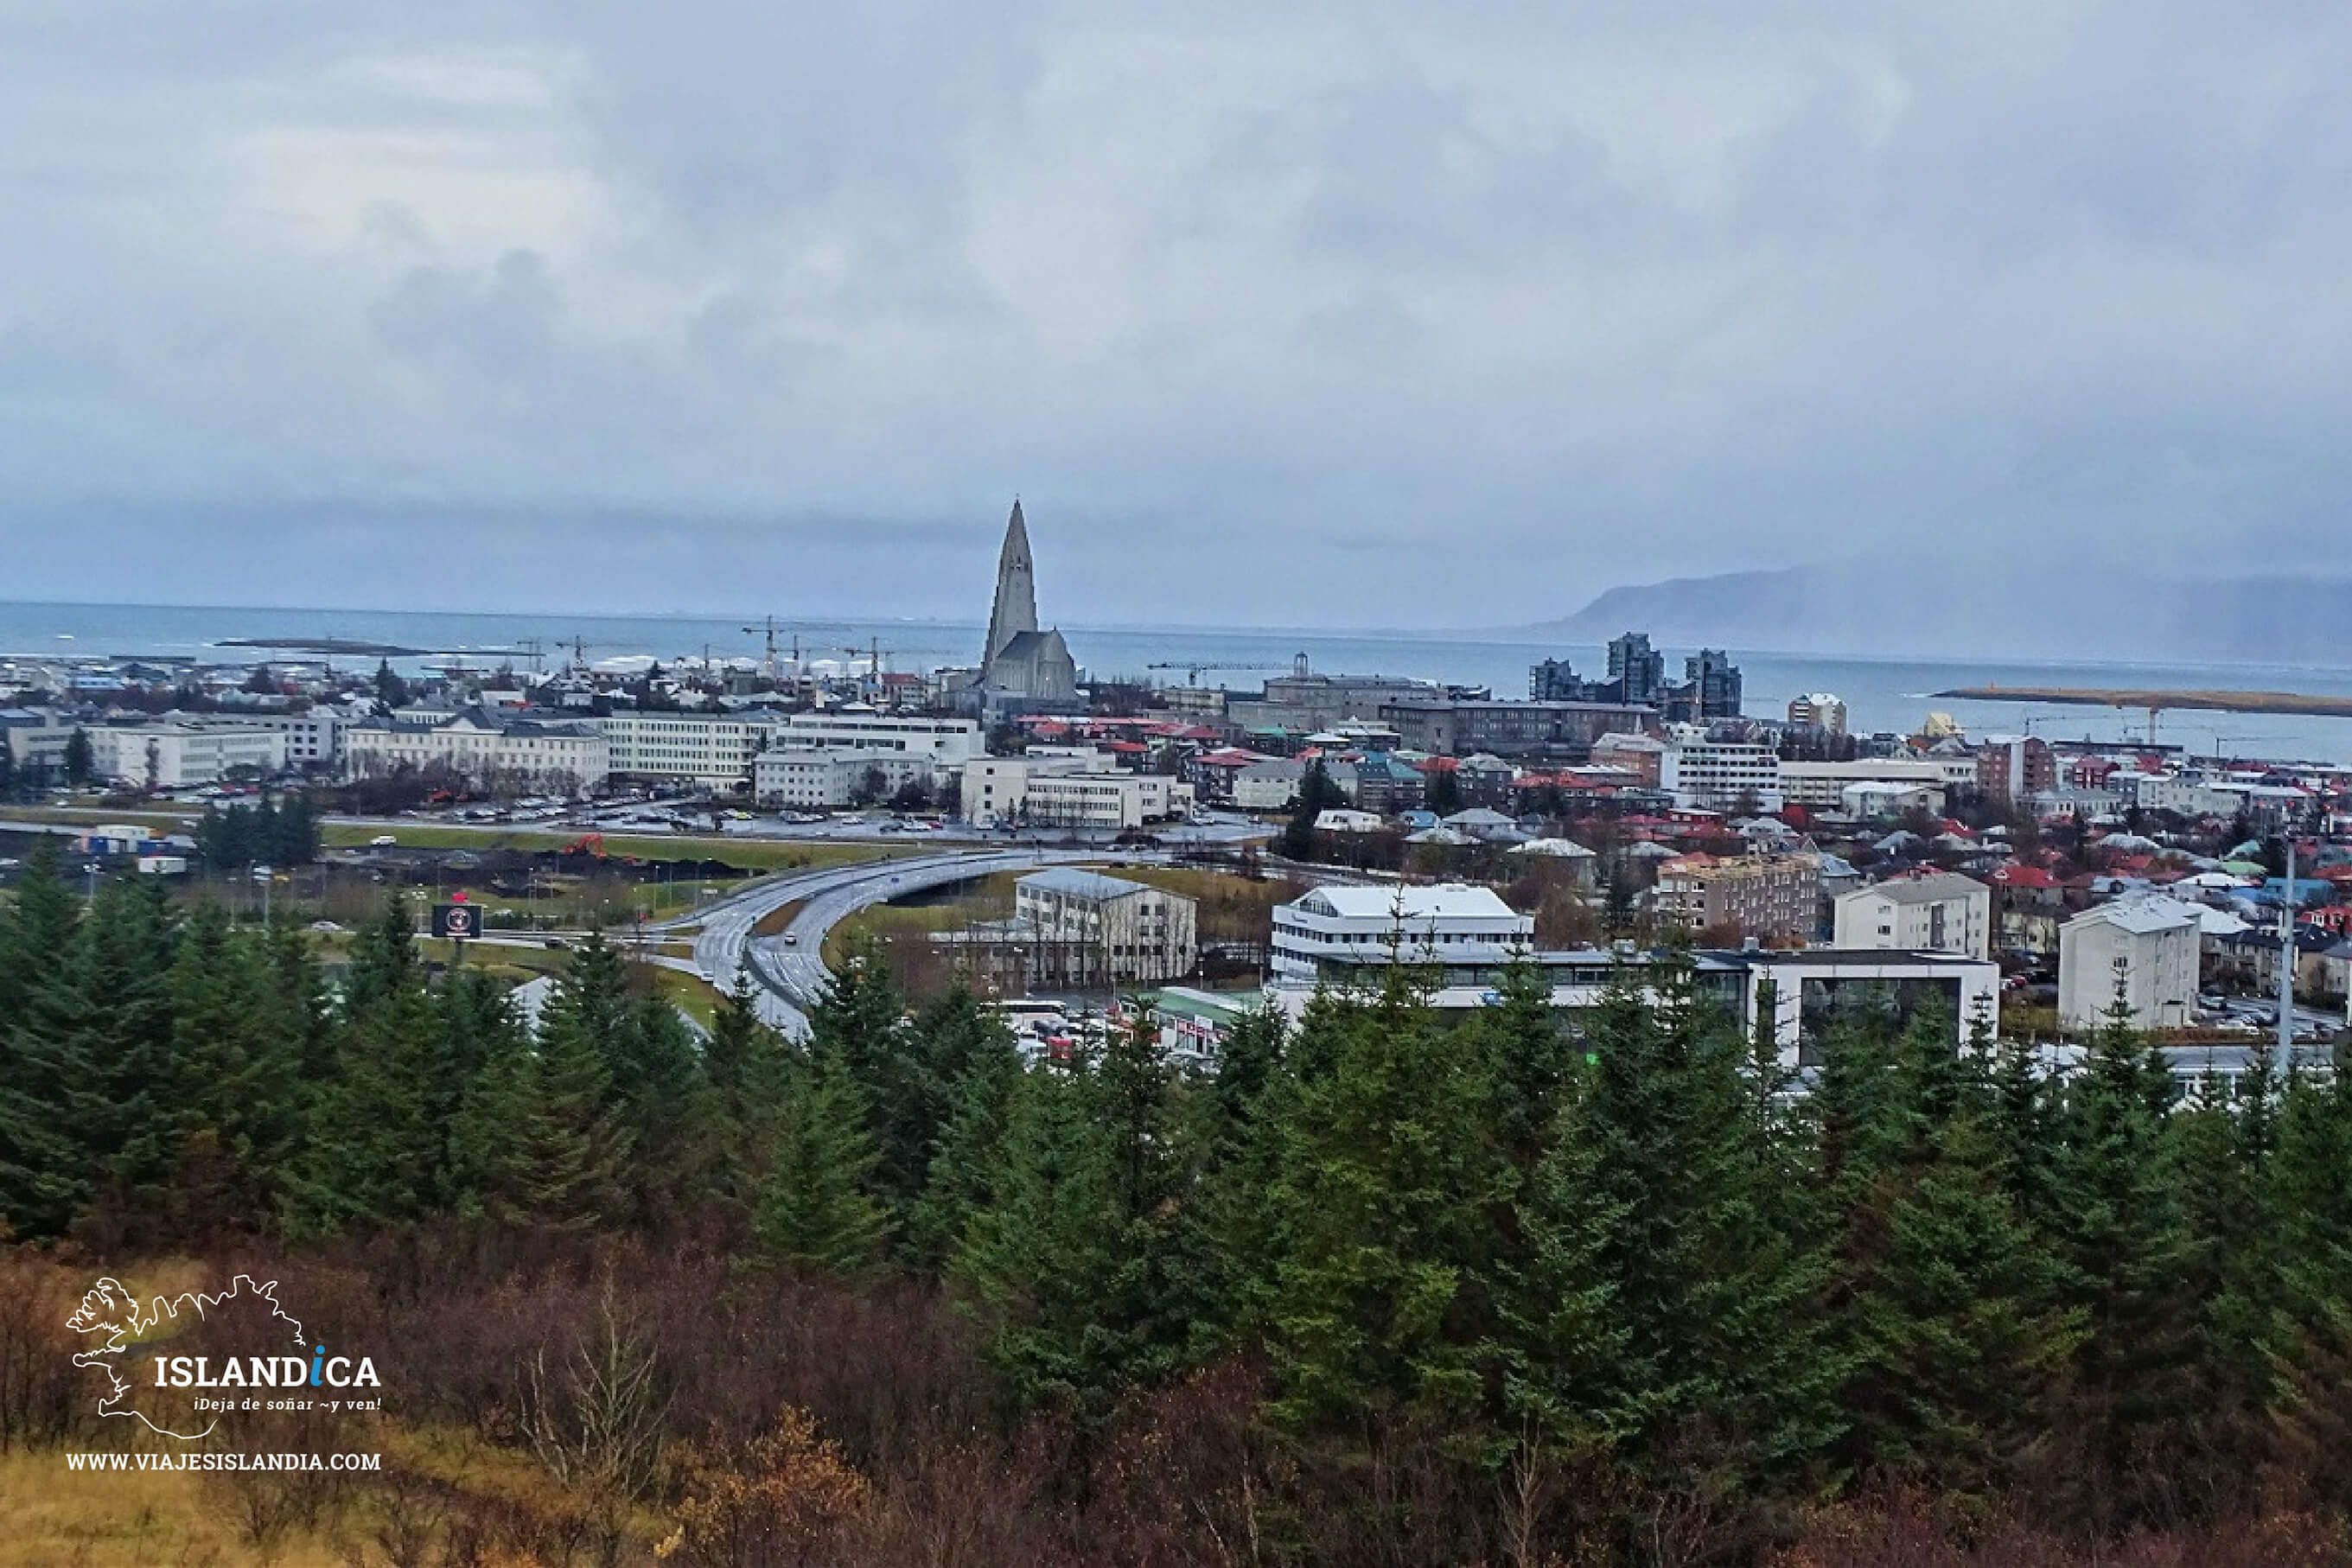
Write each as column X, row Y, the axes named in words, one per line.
column 768, row 627
column 1192, row 672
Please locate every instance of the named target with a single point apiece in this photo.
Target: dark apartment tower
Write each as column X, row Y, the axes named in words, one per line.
column 1554, row 681
column 1714, row 682
column 1639, row 674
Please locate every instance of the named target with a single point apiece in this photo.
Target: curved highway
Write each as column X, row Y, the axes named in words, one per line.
column 789, row 969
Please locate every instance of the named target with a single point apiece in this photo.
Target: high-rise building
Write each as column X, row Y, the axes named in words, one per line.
column 1714, row 682
column 1821, row 710
column 1638, row 672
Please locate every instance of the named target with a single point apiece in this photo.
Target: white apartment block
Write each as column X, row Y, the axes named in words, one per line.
column 1821, row 785
column 2149, row 943
column 172, row 756
column 553, row 756
column 1945, row 912
column 1333, row 929
column 1076, row 789
column 831, row 778
column 1132, row 930
column 709, row 751
column 1110, row 801
column 1819, row 710
column 313, row 736
column 1718, row 775
column 949, row 742
column 1269, row 785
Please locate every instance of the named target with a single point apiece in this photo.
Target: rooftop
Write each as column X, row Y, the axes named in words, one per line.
column 1443, row 900
column 1072, row 882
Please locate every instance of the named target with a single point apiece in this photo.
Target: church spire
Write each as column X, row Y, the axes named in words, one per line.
column 1015, row 609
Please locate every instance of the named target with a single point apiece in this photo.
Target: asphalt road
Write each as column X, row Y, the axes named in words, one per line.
column 791, row 973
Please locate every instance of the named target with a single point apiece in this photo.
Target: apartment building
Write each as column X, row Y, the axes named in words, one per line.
column 1820, row 710
column 1456, row 727
column 2145, row 948
column 1942, row 912
column 1703, row 771
column 2011, row 767
column 1766, row 896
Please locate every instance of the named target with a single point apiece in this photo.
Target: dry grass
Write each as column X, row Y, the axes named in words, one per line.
column 53, row 1518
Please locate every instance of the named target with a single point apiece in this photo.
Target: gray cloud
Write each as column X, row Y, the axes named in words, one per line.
column 1427, row 314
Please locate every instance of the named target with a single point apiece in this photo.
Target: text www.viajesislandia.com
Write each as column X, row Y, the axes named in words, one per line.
column 219, row 1461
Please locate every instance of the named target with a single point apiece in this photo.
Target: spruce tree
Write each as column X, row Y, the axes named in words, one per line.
column 816, row 1210
column 1384, row 1202
column 2120, row 1227
column 48, row 1152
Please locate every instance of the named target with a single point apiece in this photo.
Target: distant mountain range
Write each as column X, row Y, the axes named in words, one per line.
column 2087, row 613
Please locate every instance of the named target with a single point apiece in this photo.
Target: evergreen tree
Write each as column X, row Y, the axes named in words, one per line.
column 7, row 768
column 80, row 761
column 46, row 1149
column 232, row 1087
column 1036, row 1259
column 1726, row 1368
column 1383, row 1205
column 745, row 1064
column 126, row 1032
column 860, row 1017
column 2119, row 1225
column 816, row 1210
column 973, row 1068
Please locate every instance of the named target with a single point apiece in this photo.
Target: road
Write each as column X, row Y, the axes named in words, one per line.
column 789, row 970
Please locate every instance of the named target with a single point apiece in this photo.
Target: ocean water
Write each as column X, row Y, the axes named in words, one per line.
column 1881, row 692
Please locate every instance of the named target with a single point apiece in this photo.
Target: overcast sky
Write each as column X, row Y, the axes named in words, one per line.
column 1367, row 313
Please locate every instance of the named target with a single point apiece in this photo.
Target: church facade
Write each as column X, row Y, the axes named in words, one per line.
column 1024, row 668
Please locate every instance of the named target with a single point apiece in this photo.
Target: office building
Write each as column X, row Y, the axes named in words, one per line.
column 1130, row 931
column 1447, row 923
column 1706, row 773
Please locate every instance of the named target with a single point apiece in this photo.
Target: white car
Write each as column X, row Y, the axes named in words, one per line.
column 384, row 841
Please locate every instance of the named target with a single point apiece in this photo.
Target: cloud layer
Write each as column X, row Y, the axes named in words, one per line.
column 1428, row 314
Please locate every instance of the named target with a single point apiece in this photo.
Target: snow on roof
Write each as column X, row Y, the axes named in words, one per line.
column 1415, row 902
column 1566, row 848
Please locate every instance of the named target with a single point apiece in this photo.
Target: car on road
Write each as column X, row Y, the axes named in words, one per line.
column 384, row 841
column 791, row 940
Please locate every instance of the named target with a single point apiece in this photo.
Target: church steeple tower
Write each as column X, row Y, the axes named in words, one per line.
column 1015, row 609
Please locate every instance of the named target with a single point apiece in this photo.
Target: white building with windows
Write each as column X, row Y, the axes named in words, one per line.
column 2145, row 948
column 1945, row 912
column 172, row 756
column 949, row 743
column 835, row 778
column 1129, row 931
column 709, row 751
column 1823, row 785
column 1330, row 929
column 1707, row 774
column 1079, row 790
column 564, row 756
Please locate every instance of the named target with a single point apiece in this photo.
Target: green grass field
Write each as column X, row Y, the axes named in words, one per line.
column 751, row 854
